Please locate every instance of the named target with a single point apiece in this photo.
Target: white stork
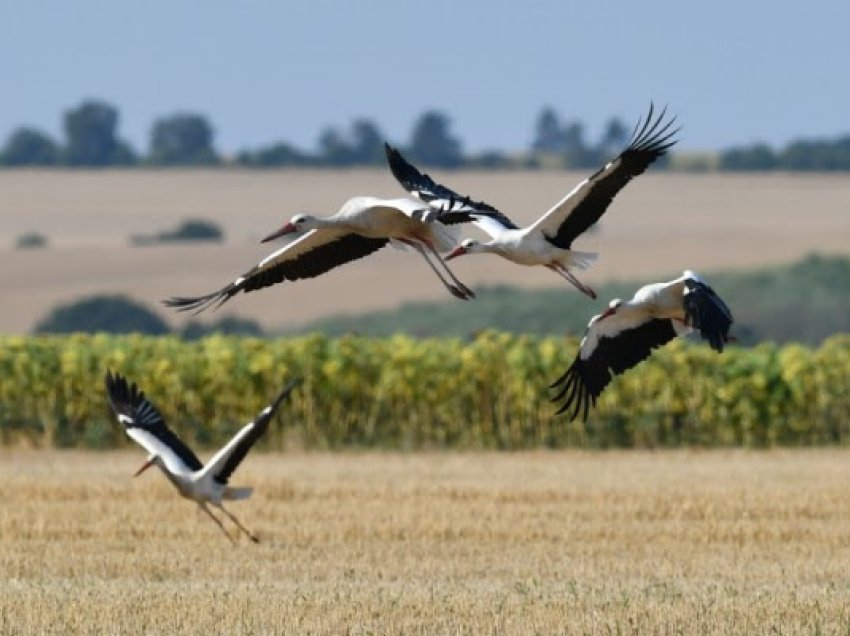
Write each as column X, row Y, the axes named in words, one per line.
column 627, row 332
column 548, row 241
column 363, row 225
column 193, row 480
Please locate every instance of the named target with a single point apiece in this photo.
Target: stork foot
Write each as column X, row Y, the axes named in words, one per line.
column 457, row 293
column 466, row 290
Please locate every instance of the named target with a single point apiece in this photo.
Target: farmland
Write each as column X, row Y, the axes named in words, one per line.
column 706, row 222
column 385, row 543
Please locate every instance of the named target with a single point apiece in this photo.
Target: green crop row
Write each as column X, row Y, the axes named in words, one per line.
column 400, row 392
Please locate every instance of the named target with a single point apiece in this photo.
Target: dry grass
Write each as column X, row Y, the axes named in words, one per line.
column 672, row 542
column 705, row 221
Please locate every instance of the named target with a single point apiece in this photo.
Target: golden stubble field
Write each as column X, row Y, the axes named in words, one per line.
column 544, row 542
column 660, row 224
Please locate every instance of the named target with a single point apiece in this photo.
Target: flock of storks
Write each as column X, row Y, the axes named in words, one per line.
column 616, row 340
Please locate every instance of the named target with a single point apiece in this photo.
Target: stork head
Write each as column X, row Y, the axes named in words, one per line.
column 150, row 462
column 468, row 246
column 298, row 223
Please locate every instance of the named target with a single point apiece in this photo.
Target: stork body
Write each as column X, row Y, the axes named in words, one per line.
column 548, row 241
column 362, row 226
column 203, row 484
column 627, row 332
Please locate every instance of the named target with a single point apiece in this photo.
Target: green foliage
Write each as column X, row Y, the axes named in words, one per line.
column 110, row 314
column 273, row 156
column 183, row 139
column 91, row 137
column 432, row 144
column 755, row 157
column 30, row 240
column 228, row 325
column 807, row 301
column 489, row 392
column 188, row 230
column 30, row 147
column 799, row 155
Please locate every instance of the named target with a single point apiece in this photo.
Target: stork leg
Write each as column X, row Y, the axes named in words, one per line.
column 217, row 522
column 466, row 290
column 456, row 292
column 567, row 274
column 233, row 518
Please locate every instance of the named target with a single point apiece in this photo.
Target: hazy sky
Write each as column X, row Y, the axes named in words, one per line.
column 735, row 72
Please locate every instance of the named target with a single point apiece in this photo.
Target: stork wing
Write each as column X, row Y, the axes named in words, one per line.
column 706, row 311
column 225, row 461
column 587, row 202
column 449, row 206
column 144, row 424
column 607, row 350
column 311, row 255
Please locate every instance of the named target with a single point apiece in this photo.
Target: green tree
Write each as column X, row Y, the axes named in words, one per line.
column 277, row 154
column 182, row 139
column 548, row 134
column 111, row 314
column 756, row 157
column 614, row 138
column 367, row 143
column 577, row 154
column 91, row 137
column 431, row 142
column 334, row 149
column 29, row 147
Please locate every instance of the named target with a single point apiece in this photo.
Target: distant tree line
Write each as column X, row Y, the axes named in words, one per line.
column 799, row 155
column 91, row 140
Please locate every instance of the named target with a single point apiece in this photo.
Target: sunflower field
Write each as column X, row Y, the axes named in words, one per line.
column 401, row 392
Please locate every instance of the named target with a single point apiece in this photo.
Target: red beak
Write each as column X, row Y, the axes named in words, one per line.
column 144, row 467
column 289, row 228
column 608, row 312
column 458, row 251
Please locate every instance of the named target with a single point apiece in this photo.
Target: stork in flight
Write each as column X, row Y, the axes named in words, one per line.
column 548, row 241
column 363, row 225
column 203, row 484
column 627, row 332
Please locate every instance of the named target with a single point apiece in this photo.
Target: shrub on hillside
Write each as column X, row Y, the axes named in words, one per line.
column 30, row 240
column 107, row 313
column 188, row 230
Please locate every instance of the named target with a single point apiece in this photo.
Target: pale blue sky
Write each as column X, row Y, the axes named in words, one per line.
column 735, row 72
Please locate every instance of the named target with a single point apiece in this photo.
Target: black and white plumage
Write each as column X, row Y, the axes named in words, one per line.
column 548, row 241
column 362, row 226
column 204, row 484
column 627, row 332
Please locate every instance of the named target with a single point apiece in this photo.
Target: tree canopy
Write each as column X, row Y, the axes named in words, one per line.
column 30, row 147
column 91, row 139
column 182, row 139
column 91, row 132
column 431, row 142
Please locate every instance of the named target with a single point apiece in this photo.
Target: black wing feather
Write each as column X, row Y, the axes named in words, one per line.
column 451, row 207
column 650, row 140
column 706, row 311
column 584, row 381
column 308, row 265
column 261, row 423
column 127, row 400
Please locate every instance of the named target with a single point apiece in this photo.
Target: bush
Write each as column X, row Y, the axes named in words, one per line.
column 30, row 240
column 110, row 314
column 188, row 230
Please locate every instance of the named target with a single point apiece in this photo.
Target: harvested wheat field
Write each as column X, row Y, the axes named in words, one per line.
column 383, row 543
column 702, row 221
